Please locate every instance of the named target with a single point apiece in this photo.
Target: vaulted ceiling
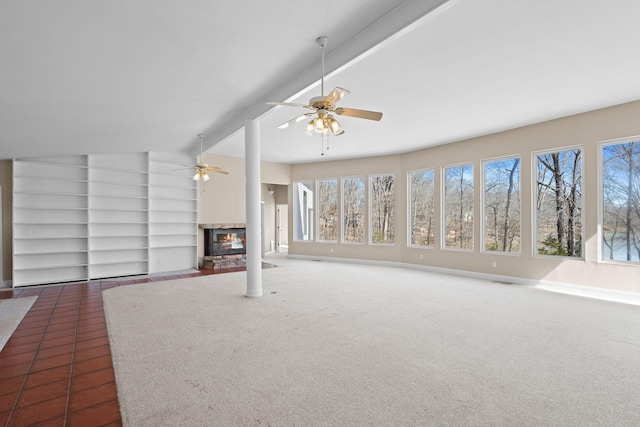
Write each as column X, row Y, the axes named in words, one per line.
column 80, row 77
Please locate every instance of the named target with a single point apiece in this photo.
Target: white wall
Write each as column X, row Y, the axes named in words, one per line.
column 222, row 199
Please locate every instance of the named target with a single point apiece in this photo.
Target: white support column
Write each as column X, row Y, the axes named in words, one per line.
column 252, row 166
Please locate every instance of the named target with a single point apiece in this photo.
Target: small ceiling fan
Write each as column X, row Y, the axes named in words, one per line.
column 323, row 108
column 203, row 168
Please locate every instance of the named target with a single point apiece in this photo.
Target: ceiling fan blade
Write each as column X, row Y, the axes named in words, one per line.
column 335, row 95
column 288, row 104
column 361, row 114
column 217, row 170
column 294, row 121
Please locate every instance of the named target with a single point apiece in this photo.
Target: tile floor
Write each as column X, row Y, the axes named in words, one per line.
column 56, row 368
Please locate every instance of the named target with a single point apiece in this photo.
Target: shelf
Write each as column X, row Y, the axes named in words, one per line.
column 114, row 196
column 174, row 246
column 39, row 178
column 173, row 199
column 130, row 261
column 50, row 208
column 117, row 223
column 172, row 234
column 51, row 238
column 137, row 248
column 127, row 184
column 171, row 211
column 39, row 163
column 22, row 254
column 180, row 187
column 117, row 210
column 50, row 267
column 50, row 193
column 51, row 223
column 105, row 169
column 118, row 236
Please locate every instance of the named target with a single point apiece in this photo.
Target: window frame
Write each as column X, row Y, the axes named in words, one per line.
column 370, row 209
column 342, row 210
column 338, row 210
column 534, row 215
column 296, row 221
column 600, row 200
column 483, row 247
column 410, row 243
column 443, row 207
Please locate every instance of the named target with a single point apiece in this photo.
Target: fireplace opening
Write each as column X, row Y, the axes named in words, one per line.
column 225, row 241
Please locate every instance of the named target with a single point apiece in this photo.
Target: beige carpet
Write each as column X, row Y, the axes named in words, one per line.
column 12, row 310
column 334, row 344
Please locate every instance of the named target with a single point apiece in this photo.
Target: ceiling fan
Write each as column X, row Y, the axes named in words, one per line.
column 323, row 108
column 203, row 168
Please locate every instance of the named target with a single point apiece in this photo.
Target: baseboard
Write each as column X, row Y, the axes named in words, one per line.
column 6, row 284
column 346, row 260
column 565, row 288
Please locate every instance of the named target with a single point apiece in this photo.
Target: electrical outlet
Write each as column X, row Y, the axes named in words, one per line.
column 494, row 264
column 421, row 256
column 331, row 250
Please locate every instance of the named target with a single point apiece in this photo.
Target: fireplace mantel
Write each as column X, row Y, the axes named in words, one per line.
column 223, row 225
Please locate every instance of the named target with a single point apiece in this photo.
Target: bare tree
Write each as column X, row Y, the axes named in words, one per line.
column 502, row 205
column 328, row 210
column 560, row 176
column 422, row 207
column 459, row 207
column 382, row 209
column 353, row 209
column 621, row 209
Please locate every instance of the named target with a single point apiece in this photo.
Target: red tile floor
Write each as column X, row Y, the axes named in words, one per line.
column 56, row 368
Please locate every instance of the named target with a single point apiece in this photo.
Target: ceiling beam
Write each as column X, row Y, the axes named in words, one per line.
column 398, row 21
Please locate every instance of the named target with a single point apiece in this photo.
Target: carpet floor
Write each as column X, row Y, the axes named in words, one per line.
column 338, row 344
column 11, row 313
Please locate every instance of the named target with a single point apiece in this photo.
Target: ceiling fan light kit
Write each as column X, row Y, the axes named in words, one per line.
column 324, row 107
column 203, row 168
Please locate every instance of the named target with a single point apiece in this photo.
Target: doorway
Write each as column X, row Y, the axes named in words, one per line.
column 282, row 228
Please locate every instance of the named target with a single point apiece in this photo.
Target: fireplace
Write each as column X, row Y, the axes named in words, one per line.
column 224, row 241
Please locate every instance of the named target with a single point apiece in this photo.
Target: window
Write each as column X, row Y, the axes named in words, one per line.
column 421, row 201
column 353, row 210
column 303, row 215
column 621, row 201
column 328, row 210
column 501, row 207
column 558, row 207
column 458, row 207
column 382, row 209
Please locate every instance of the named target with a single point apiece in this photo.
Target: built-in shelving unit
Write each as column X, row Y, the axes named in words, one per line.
column 173, row 211
column 90, row 217
column 50, row 220
column 118, row 215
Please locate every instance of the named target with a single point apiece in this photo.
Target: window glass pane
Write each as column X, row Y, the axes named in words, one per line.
column 328, row 210
column 559, row 203
column 303, row 211
column 458, row 207
column 421, row 200
column 383, row 209
column 621, row 202
column 353, row 210
column 502, row 205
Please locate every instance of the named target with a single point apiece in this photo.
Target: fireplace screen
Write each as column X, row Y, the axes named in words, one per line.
column 224, row 241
